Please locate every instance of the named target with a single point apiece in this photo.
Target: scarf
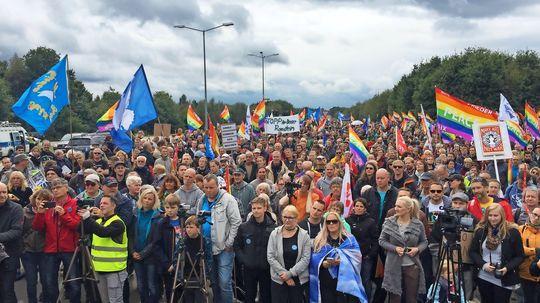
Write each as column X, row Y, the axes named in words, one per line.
column 347, row 273
column 493, row 239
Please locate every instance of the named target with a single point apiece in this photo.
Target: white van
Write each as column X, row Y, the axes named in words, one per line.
column 12, row 135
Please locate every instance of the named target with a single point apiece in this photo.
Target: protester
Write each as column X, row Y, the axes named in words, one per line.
column 496, row 249
column 250, row 243
column 288, row 253
column 18, row 189
column 325, row 181
column 332, row 245
column 11, row 228
column 481, row 200
column 34, row 241
column 225, row 219
column 364, row 229
column 145, row 243
column 244, row 192
column 530, row 235
column 381, row 197
column 189, row 193
column 313, row 223
column 403, row 237
column 302, row 198
column 109, row 248
column 60, row 223
column 530, row 201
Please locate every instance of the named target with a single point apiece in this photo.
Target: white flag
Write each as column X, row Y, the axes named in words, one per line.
column 346, row 192
column 248, row 123
column 506, row 112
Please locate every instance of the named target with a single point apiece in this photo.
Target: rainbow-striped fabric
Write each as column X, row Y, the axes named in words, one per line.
column 104, row 123
column 532, row 122
column 357, row 148
column 456, row 116
column 225, row 114
column 516, row 133
column 193, row 121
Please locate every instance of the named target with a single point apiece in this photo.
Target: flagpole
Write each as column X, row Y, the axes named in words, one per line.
column 70, row 116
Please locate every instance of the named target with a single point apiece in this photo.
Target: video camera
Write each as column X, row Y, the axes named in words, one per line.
column 453, row 221
column 291, row 187
column 85, row 203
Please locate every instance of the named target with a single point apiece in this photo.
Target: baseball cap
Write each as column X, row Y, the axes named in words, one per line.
column 427, row 176
column 239, row 170
column 92, row 178
column 119, row 163
column 257, row 150
column 460, row 196
column 110, row 181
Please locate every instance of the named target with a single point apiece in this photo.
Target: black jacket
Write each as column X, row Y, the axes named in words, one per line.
column 252, row 240
column 150, row 253
column 512, row 254
column 534, row 270
column 144, row 173
column 11, row 228
column 374, row 202
column 167, row 235
column 364, row 229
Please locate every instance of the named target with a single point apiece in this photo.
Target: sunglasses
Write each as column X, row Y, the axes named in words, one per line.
column 90, row 184
column 438, row 191
column 332, row 222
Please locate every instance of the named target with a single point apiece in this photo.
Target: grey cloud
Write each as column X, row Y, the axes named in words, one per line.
column 237, row 14
column 454, row 25
column 474, row 8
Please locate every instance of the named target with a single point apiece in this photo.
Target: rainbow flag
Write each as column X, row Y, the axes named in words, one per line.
column 532, row 123
column 516, row 134
column 257, row 120
column 302, row 115
column 322, row 123
column 193, row 121
column 385, row 122
column 225, row 115
column 357, row 148
column 411, row 116
column 456, row 116
column 214, row 140
column 396, row 116
column 242, row 131
column 104, row 123
column 448, row 138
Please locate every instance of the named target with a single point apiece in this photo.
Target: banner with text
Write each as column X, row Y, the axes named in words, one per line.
column 283, row 125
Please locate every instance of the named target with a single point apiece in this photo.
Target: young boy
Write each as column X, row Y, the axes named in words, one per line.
column 192, row 266
column 172, row 238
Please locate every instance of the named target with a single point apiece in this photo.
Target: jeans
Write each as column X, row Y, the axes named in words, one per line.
column 147, row 281
column 50, row 278
column 221, row 277
column 8, row 273
column 33, row 263
column 365, row 272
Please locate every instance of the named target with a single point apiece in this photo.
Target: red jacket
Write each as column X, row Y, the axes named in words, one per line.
column 61, row 232
column 475, row 209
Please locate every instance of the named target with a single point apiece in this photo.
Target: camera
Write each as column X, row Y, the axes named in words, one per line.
column 498, row 272
column 49, row 204
column 203, row 215
column 85, row 203
column 453, row 221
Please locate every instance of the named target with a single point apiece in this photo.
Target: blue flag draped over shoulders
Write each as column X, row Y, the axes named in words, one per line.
column 45, row 98
column 348, row 272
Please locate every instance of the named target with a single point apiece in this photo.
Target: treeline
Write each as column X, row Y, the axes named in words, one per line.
column 477, row 75
column 17, row 74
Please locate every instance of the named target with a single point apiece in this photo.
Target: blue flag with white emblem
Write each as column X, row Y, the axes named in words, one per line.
column 45, row 98
column 136, row 107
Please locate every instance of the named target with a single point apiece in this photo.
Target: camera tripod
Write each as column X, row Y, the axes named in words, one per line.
column 196, row 279
column 449, row 249
column 87, row 274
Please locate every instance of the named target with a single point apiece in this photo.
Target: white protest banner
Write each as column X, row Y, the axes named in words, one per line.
column 282, row 124
column 229, row 136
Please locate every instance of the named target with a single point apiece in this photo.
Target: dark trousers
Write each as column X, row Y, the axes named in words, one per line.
column 366, row 273
column 8, row 273
column 490, row 292
column 125, row 289
column 254, row 277
column 33, row 263
column 531, row 291
column 410, row 277
column 168, row 282
column 147, row 281
column 282, row 293
column 50, row 281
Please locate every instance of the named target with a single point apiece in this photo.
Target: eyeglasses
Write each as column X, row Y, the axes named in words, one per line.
column 285, row 218
column 90, row 184
column 438, row 191
column 332, row 222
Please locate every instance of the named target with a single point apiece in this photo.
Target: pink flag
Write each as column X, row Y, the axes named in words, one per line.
column 346, row 192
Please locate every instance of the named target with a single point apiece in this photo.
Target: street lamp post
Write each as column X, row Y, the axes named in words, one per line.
column 203, row 31
column 262, row 57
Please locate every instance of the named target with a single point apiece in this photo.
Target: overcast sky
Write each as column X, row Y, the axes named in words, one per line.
column 331, row 52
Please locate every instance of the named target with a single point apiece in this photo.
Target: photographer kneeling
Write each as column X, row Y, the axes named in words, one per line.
column 460, row 230
column 109, row 247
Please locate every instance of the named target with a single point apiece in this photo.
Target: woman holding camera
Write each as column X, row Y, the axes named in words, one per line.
column 403, row 237
column 497, row 251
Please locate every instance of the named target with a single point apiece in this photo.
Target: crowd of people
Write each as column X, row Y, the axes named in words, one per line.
column 267, row 222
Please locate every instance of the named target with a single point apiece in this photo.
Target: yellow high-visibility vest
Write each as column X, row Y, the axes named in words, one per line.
column 107, row 255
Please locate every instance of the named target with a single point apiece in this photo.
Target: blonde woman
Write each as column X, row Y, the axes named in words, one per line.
column 497, row 252
column 18, row 188
column 145, row 250
column 403, row 238
column 336, row 257
column 288, row 253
